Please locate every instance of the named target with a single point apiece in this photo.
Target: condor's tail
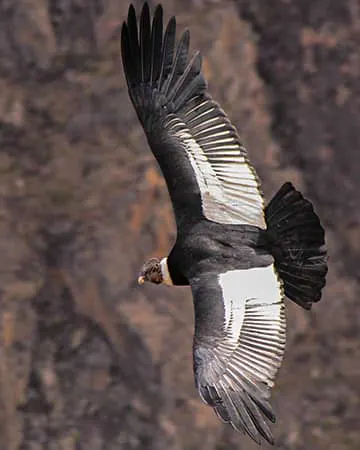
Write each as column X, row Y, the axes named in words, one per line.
column 298, row 245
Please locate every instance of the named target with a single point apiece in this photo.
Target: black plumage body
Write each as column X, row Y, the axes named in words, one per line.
column 205, row 245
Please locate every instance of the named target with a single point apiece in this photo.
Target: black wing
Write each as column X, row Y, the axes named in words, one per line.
column 239, row 344
column 199, row 151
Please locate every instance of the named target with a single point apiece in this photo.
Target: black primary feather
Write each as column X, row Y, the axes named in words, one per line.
column 133, row 58
column 145, row 42
column 168, row 50
column 179, row 63
column 156, row 44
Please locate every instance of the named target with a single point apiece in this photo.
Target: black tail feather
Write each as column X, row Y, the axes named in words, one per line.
column 298, row 245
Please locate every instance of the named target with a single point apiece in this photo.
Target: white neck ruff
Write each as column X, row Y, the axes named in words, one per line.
column 165, row 272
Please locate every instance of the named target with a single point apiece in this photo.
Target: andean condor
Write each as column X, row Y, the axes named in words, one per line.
column 239, row 257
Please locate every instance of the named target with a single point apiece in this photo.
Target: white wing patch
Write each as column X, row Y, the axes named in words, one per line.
column 228, row 184
column 254, row 321
column 234, row 299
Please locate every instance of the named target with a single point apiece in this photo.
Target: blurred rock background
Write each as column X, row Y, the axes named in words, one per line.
column 89, row 361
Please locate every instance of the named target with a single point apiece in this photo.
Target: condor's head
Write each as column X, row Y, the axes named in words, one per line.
column 155, row 271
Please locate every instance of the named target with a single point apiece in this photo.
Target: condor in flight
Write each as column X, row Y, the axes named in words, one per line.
column 239, row 257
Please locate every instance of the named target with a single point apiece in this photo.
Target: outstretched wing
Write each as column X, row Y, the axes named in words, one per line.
column 205, row 165
column 239, row 344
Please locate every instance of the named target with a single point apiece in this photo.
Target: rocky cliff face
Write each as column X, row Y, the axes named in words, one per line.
column 89, row 360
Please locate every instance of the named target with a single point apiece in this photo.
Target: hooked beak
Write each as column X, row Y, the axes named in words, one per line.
column 141, row 280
